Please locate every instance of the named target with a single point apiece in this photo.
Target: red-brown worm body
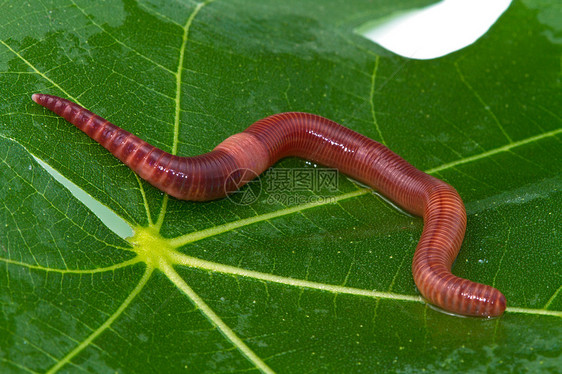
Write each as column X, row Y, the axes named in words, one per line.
column 318, row 139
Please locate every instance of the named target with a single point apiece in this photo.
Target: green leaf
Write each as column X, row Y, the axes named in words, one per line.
column 302, row 281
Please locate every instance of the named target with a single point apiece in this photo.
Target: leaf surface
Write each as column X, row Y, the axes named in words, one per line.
column 302, row 279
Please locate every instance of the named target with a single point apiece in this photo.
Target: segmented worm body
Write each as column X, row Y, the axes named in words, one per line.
column 318, row 139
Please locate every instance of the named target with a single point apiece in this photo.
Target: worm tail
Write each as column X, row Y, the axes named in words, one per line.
column 151, row 163
column 442, row 236
column 127, row 147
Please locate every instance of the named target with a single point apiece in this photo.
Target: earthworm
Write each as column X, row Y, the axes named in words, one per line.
column 242, row 156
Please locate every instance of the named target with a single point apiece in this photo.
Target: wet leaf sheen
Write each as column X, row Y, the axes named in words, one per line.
column 302, row 278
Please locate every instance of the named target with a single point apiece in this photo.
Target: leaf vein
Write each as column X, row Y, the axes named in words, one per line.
column 372, row 98
column 227, row 332
column 482, row 102
column 119, row 41
column 86, row 342
column 120, row 265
